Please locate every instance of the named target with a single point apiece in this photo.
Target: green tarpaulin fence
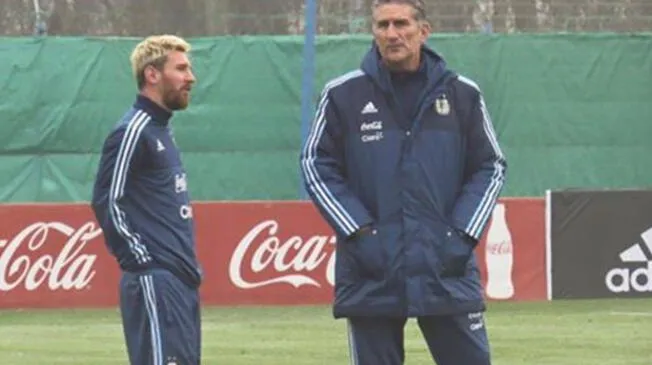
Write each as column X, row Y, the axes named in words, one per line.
column 570, row 110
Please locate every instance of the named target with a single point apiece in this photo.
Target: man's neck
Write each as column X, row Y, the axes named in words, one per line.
column 410, row 66
column 155, row 97
column 154, row 109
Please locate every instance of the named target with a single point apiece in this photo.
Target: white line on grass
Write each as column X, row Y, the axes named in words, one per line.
column 634, row 314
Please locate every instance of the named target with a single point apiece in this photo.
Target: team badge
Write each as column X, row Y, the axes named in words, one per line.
column 442, row 106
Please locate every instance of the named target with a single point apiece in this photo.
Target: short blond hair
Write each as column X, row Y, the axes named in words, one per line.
column 153, row 51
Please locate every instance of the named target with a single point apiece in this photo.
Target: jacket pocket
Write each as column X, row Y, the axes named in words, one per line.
column 369, row 254
column 454, row 253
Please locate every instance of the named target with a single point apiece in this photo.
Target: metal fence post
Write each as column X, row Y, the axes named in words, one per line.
column 308, row 81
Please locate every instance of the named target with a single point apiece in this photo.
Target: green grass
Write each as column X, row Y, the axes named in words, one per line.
column 614, row 332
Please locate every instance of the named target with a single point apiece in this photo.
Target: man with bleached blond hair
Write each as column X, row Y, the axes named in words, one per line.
column 141, row 201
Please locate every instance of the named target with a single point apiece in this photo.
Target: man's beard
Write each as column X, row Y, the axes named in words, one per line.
column 174, row 100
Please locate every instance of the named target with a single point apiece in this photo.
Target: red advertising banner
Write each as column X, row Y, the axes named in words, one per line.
column 53, row 256
column 512, row 251
column 271, row 253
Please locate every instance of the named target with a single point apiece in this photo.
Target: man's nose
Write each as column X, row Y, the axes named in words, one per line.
column 392, row 32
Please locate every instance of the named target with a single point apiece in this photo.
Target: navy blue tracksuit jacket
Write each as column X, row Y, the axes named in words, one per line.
column 426, row 181
column 146, row 218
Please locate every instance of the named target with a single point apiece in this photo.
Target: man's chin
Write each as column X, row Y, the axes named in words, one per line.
column 395, row 63
column 178, row 105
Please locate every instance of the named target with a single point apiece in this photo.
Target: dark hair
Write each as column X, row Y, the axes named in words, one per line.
column 418, row 6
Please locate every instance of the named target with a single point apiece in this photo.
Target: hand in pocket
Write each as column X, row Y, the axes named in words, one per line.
column 368, row 253
column 456, row 251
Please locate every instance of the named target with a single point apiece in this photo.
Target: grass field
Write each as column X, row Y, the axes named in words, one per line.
column 614, row 332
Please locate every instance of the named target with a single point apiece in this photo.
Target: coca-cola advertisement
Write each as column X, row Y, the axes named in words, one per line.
column 512, row 251
column 265, row 253
column 53, row 256
column 271, row 253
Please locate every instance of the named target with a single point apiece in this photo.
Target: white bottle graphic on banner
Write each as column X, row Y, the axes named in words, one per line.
column 499, row 256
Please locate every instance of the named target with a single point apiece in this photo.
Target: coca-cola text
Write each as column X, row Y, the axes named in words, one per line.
column 292, row 261
column 69, row 269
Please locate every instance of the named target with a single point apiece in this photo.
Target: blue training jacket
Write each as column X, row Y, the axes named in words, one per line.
column 140, row 197
column 427, row 191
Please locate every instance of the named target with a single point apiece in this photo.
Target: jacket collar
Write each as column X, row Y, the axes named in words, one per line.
column 432, row 65
column 158, row 113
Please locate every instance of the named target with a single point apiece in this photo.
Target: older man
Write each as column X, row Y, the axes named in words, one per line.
column 403, row 162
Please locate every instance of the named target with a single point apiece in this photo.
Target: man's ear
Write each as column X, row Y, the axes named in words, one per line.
column 152, row 75
column 426, row 29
